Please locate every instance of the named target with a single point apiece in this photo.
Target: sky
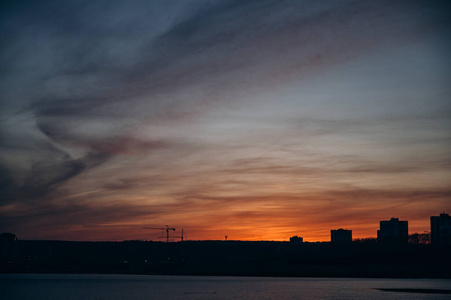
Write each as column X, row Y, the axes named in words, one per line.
column 259, row 120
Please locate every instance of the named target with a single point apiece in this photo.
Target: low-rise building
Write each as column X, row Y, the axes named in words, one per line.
column 296, row 240
column 340, row 235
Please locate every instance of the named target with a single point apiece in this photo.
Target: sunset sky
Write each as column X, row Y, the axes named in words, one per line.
column 259, row 120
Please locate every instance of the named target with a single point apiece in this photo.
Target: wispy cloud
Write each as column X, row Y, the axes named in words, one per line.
column 242, row 112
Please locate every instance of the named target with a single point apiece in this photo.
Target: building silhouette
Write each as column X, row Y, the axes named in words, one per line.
column 296, row 239
column 340, row 235
column 8, row 247
column 441, row 230
column 393, row 232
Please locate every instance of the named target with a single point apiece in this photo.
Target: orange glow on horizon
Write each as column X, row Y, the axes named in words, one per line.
column 248, row 230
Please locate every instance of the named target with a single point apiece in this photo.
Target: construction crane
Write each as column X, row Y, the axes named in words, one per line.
column 159, row 228
column 182, row 236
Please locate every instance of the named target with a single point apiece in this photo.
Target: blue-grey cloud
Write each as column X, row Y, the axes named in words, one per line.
column 203, row 98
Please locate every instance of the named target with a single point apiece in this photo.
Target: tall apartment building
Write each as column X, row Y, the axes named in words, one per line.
column 441, row 230
column 393, row 231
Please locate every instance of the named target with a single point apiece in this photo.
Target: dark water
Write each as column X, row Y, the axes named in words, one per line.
column 54, row 286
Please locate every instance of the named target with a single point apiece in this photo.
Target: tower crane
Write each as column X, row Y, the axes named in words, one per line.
column 159, row 228
column 182, row 236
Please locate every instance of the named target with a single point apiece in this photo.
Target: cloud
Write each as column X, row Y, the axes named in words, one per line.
column 38, row 221
column 211, row 106
column 46, row 176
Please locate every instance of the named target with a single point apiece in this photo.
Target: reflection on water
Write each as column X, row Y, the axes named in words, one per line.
column 56, row 286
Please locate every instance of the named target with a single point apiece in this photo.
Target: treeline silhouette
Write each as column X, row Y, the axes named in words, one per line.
column 360, row 258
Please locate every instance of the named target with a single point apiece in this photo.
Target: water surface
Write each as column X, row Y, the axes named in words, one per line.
column 64, row 286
